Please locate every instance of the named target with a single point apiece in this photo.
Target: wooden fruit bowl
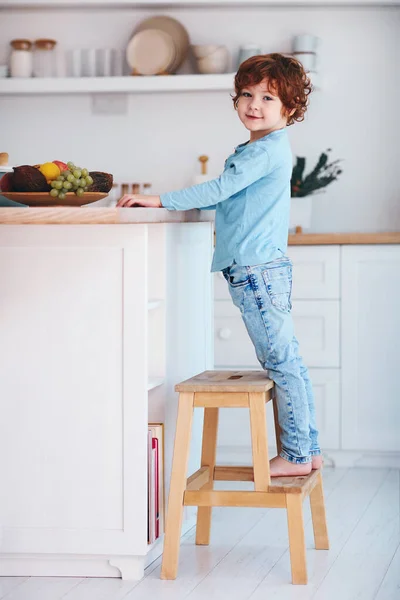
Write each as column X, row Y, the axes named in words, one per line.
column 44, row 198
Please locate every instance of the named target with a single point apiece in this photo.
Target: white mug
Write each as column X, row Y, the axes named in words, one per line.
column 305, row 43
column 89, row 62
column 246, row 52
column 104, row 62
column 307, row 59
column 74, row 63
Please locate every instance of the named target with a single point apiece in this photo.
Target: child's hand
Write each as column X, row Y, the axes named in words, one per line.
column 129, row 200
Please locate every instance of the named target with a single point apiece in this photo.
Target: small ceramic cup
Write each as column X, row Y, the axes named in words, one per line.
column 246, row 52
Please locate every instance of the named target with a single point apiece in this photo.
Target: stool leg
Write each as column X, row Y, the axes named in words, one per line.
column 173, row 526
column 317, row 503
column 277, row 427
column 259, row 441
column 208, row 455
column 297, row 544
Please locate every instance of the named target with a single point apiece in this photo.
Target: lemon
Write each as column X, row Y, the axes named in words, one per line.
column 50, row 171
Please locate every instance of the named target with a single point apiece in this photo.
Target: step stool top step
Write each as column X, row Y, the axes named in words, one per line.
column 227, row 381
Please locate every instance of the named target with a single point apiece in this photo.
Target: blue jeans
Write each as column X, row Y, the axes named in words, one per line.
column 262, row 293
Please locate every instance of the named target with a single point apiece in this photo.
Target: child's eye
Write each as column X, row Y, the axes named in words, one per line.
column 267, row 98
column 246, row 94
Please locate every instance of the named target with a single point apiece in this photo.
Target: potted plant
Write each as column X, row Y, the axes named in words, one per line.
column 302, row 188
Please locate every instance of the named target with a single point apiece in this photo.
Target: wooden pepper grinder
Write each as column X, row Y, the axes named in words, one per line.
column 203, row 159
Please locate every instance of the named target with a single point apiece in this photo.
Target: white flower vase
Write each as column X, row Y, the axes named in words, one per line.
column 300, row 212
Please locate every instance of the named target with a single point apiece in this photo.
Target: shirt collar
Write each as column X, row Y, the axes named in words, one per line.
column 276, row 133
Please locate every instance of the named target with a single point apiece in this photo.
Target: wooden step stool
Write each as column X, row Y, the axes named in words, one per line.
column 230, row 389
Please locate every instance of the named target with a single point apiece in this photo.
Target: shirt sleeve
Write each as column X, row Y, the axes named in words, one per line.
column 244, row 169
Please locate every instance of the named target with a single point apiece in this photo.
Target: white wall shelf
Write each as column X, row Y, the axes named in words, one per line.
column 93, row 85
column 55, row 4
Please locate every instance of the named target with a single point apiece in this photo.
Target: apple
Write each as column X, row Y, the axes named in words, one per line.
column 6, row 182
column 61, row 165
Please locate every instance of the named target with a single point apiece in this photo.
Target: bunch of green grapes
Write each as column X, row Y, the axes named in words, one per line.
column 73, row 179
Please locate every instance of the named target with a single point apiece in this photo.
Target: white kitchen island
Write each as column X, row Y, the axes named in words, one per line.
column 102, row 312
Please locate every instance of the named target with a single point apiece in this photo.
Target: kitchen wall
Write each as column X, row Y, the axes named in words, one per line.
column 160, row 137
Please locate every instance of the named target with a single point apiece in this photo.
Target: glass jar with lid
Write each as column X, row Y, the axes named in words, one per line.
column 21, row 58
column 44, row 64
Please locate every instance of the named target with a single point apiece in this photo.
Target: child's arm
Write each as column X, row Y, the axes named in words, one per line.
column 249, row 166
column 243, row 170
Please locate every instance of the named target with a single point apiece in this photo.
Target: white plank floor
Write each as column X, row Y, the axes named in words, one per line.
column 248, row 556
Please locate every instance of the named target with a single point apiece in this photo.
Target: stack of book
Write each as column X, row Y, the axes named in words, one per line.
column 155, row 490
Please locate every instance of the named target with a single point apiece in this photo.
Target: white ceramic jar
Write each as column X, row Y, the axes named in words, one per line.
column 21, row 60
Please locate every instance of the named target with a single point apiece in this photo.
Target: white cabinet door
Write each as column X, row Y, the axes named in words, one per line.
column 234, row 424
column 326, row 386
column 316, row 272
column 317, row 327
column 370, row 347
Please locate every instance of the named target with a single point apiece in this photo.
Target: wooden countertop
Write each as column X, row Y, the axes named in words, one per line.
column 72, row 215
column 120, row 216
column 316, row 239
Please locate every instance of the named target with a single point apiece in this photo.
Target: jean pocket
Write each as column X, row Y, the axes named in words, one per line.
column 278, row 281
column 236, row 276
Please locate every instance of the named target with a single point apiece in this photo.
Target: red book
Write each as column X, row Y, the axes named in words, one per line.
column 156, row 489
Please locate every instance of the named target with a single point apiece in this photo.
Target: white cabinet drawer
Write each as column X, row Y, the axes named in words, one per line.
column 316, row 272
column 316, row 327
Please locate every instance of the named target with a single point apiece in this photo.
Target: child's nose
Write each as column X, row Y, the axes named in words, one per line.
column 254, row 104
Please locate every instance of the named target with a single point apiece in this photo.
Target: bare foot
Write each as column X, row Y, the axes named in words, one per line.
column 279, row 467
column 317, row 461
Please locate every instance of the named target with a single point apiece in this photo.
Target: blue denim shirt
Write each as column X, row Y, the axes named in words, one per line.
column 252, row 202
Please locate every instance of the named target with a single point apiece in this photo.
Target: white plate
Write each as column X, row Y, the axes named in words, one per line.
column 150, row 52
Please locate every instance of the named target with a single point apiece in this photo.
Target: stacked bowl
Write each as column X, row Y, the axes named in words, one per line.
column 158, row 46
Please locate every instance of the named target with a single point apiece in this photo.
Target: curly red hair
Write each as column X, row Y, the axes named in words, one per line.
column 286, row 77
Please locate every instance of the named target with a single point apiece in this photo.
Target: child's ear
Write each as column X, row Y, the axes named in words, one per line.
column 292, row 112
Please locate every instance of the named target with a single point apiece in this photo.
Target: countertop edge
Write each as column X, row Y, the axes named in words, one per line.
column 321, row 239
column 127, row 216
column 71, row 215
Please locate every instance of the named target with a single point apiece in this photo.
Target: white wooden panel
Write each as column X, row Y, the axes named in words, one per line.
column 234, row 425
column 316, row 327
column 189, row 327
column 316, row 272
column 371, row 347
column 233, row 346
column 73, row 386
column 326, row 386
column 221, row 288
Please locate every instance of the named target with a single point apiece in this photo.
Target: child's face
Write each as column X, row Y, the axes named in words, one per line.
column 260, row 110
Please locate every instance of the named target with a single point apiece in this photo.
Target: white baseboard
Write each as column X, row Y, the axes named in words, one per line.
column 59, row 565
